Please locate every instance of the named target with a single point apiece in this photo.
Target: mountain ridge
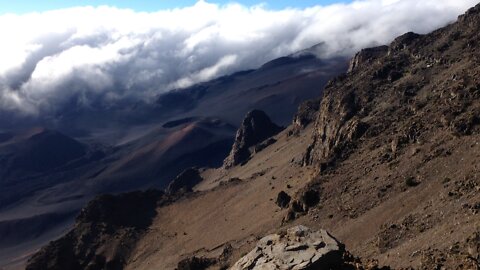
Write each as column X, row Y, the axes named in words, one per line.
column 383, row 136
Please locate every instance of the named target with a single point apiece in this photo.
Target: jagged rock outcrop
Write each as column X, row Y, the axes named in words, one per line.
column 306, row 114
column 366, row 57
column 104, row 233
column 299, row 248
column 195, row 263
column 255, row 128
column 185, row 181
column 305, row 199
column 418, row 82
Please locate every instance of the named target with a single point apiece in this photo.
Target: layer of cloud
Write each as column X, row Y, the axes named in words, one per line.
column 104, row 55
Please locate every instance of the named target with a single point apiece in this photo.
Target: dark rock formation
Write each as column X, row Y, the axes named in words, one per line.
column 309, row 198
column 202, row 263
column 185, row 181
column 306, row 114
column 105, row 232
column 255, row 128
column 259, row 147
column 366, row 57
column 305, row 199
column 283, row 199
column 195, row 263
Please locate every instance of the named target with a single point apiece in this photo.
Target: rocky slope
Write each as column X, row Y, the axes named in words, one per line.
column 91, row 150
column 388, row 165
column 415, row 85
column 104, row 234
column 405, row 120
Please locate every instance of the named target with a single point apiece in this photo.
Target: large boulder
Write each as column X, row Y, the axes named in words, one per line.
column 195, row 263
column 300, row 248
column 255, row 128
column 185, row 181
column 283, row 199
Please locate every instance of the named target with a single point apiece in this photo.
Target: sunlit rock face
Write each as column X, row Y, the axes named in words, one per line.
column 299, row 248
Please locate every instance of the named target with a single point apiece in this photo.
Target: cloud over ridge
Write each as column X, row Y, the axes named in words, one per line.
column 103, row 55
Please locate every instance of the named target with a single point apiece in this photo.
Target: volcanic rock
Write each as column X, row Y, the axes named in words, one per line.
column 255, row 128
column 366, row 56
column 417, row 83
column 306, row 114
column 185, row 181
column 195, row 263
column 299, row 248
column 283, row 199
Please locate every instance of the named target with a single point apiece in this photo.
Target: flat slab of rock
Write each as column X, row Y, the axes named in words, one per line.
column 299, row 249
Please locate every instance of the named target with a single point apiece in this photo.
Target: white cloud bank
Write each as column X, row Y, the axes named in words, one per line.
column 103, row 55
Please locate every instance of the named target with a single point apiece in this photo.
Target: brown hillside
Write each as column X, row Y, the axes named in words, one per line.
column 392, row 169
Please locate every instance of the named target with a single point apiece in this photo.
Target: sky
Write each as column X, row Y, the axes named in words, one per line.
column 102, row 55
column 24, row 6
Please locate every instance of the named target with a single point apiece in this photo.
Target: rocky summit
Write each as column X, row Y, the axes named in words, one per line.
column 299, row 248
column 255, row 128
